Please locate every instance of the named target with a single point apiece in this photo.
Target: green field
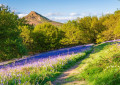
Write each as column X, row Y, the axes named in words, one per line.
column 102, row 67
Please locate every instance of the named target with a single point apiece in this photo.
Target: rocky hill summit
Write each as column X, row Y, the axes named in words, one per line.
column 34, row 18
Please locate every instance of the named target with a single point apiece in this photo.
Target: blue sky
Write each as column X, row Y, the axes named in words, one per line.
column 63, row 10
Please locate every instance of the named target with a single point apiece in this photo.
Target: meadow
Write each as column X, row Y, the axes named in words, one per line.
column 39, row 73
column 102, row 67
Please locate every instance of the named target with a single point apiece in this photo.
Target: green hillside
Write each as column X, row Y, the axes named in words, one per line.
column 102, row 67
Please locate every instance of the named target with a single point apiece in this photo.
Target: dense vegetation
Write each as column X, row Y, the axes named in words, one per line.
column 18, row 38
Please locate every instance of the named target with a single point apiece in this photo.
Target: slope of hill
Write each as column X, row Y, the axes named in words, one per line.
column 102, row 67
column 34, row 18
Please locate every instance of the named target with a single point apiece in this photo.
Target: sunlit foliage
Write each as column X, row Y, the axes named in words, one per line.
column 10, row 43
column 45, row 37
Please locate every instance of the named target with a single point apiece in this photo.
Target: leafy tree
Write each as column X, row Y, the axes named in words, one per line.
column 117, row 31
column 71, row 33
column 10, row 43
column 45, row 37
column 111, row 24
column 26, row 36
column 90, row 27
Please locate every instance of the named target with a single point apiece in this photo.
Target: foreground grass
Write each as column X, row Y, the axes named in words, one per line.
column 102, row 67
column 39, row 73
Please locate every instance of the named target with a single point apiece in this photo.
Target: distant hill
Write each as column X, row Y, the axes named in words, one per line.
column 34, row 18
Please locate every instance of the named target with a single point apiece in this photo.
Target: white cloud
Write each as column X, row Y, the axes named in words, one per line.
column 64, row 18
column 21, row 15
column 53, row 14
column 84, row 14
column 3, row 5
column 0, row 5
column 108, row 12
column 74, row 14
column 61, row 17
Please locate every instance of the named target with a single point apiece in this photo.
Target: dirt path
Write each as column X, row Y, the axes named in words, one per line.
column 61, row 80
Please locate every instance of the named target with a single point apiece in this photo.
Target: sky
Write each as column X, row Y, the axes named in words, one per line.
column 63, row 10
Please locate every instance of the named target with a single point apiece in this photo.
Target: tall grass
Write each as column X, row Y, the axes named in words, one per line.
column 39, row 73
column 103, row 65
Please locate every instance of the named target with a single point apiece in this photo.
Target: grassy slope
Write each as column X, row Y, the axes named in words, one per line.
column 102, row 67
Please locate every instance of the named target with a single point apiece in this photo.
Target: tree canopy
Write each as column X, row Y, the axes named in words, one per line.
column 10, row 43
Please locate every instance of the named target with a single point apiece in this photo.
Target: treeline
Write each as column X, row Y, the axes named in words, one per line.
column 18, row 38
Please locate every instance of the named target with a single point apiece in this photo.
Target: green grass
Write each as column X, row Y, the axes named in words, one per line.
column 102, row 67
